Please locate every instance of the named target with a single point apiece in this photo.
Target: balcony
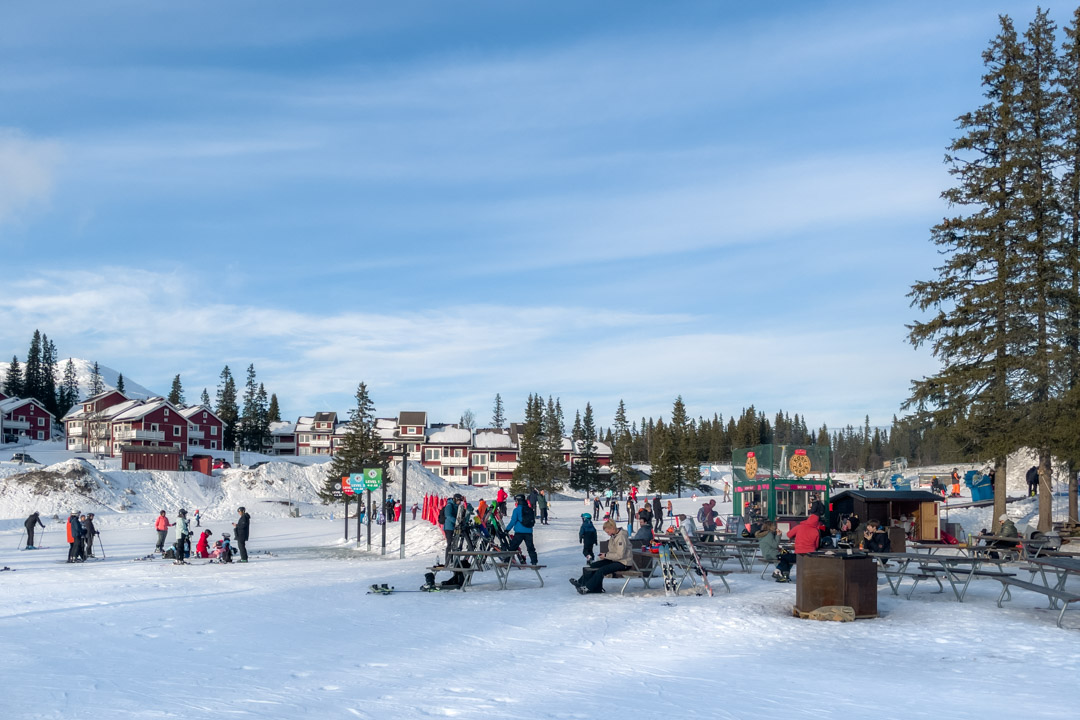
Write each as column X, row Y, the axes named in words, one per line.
column 319, row 443
column 502, row 466
column 284, row 445
column 456, row 461
column 76, row 432
column 17, row 424
column 195, row 434
column 100, row 449
column 140, row 434
column 76, row 445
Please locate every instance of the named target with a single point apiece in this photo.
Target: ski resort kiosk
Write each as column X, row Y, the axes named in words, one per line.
column 915, row 511
column 783, row 480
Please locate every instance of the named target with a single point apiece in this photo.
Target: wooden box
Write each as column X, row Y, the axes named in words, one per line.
column 841, row 579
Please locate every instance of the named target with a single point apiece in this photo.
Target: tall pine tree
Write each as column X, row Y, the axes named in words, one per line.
column 498, row 415
column 176, row 394
column 226, row 408
column 361, row 447
column 13, row 381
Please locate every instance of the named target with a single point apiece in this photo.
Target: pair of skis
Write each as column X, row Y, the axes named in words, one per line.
column 667, row 566
column 697, row 559
column 385, row 589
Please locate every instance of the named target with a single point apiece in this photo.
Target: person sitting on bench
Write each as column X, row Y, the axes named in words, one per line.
column 617, row 558
column 875, row 539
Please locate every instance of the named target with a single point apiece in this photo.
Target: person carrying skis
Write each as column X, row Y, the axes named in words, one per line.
column 242, row 527
column 162, row 526
column 181, row 535
column 587, row 536
column 521, row 524
column 31, row 524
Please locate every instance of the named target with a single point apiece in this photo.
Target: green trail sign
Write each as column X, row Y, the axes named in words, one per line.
column 372, row 478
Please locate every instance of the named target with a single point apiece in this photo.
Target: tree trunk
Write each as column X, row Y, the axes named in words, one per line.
column 1000, row 492
column 1046, row 498
column 1072, row 495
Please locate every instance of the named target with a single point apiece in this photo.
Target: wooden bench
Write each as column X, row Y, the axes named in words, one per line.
column 502, row 571
column 466, row 571
column 1053, row 595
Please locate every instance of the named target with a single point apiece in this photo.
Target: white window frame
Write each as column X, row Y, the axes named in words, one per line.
column 480, row 459
column 41, row 422
column 176, row 431
column 213, row 431
column 433, row 454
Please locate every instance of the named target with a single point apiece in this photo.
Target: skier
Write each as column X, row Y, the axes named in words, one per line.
column 658, row 512
column 955, row 483
column 500, row 502
column 31, row 523
column 596, row 506
column 521, row 523
column 202, row 547
column 415, row 508
column 74, row 536
column 88, row 535
column 587, row 536
column 242, row 527
column 670, row 510
column 198, row 518
column 449, row 518
column 181, row 535
column 616, row 559
column 162, row 526
column 613, row 509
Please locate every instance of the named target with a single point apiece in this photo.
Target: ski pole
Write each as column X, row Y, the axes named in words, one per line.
column 102, row 546
column 21, row 538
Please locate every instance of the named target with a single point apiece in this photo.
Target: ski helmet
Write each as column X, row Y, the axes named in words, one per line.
column 182, row 513
column 586, row 516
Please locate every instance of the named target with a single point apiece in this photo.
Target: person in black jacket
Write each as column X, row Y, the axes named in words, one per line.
column 75, row 533
column 31, row 523
column 242, row 527
column 88, row 535
column 1033, row 481
column 875, row 539
column 587, row 536
column 658, row 513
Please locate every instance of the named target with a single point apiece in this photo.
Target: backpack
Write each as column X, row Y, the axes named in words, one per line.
column 528, row 516
column 442, row 515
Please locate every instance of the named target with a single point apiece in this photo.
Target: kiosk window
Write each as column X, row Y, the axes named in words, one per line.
column 792, row 502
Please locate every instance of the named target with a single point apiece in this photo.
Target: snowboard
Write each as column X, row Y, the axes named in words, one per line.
column 697, row 560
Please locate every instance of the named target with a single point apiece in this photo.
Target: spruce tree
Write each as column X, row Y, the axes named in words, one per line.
column 49, row 396
column 621, row 450
column 32, row 382
column 273, row 413
column 663, row 459
column 249, row 416
column 555, row 470
column 97, row 385
column 13, row 381
column 686, row 466
column 69, row 389
column 261, row 431
column 585, row 472
column 530, row 468
column 976, row 292
column 176, row 394
column 120, row 385
column 575, row 433
column 361, row 446
column 226, row 408
column 498, row 415
column 204, row 398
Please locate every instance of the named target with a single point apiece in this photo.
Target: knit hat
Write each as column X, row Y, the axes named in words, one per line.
column 1004, row 517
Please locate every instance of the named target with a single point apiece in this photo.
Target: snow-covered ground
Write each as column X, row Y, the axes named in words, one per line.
column 292, row 634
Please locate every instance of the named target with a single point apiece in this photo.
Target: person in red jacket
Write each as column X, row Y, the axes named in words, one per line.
column 500, row 502
column 806, row 535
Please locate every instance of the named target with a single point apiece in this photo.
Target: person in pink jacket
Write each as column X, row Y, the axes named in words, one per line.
column 162, row 526
column 806, row 535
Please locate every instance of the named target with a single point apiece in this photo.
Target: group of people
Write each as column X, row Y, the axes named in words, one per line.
column 80, row 535
column 457, row 517
column 181, row 547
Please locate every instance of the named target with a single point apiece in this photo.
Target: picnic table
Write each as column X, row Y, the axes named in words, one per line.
column 501, row 561
column 957, row 569
column 1061, row 568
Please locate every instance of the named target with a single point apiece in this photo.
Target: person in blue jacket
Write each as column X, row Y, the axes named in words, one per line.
column 587, row 536
column 521, row 524
column 449, row 520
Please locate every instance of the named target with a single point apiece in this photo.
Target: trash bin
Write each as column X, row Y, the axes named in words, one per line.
column 836, row 579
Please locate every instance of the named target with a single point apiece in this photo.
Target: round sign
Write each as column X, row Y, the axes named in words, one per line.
column 373, row 473
column 751, row 466
column 337, row 486
column 799, row 464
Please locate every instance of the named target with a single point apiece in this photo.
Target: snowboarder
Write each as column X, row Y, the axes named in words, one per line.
column 521, row 524
column 242, row 528
column 1032, row 478
column 162, row 526
column 31, row 523
column 587, row 536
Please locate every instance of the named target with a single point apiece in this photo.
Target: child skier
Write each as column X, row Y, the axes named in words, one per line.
column 587, row 536
column 202, row 548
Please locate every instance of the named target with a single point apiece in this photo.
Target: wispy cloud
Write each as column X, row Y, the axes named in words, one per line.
column 27, row 172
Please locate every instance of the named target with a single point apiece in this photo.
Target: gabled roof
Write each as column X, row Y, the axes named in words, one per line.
column 104, row 393
column 888, row 495
column 14, row 403
column 145, row 408
column 190, row 412
column 412, row 418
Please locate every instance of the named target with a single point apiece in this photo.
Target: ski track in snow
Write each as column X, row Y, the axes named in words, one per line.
column 294, row 634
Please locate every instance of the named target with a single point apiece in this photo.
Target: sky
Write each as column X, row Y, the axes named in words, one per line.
column 722, row 201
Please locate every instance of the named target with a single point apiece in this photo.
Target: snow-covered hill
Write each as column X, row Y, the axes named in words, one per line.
column 84, row 369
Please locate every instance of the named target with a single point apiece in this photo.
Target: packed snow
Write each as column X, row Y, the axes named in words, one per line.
column 293, row 634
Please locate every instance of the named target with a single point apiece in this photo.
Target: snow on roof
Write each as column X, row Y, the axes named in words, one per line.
column 493, row 439
column 451, row 435
column 189, row 412
column 15, row 402
column 282, row 428
column 385, row 423
column 305, row 424
column 143, row 409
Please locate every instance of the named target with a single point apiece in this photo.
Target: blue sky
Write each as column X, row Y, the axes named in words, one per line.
column 595, row 201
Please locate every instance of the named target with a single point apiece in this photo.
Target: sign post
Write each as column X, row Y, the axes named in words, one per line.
column 373, row 478
column 342, row 488
column 356, row 482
